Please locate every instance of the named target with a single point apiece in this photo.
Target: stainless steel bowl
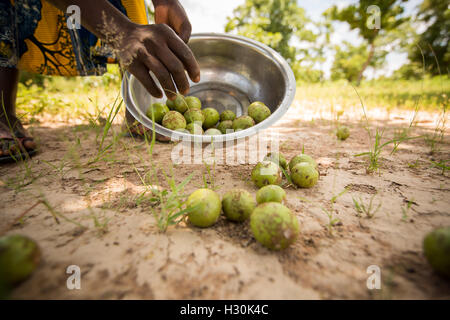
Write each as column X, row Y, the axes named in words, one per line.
column 235, row 71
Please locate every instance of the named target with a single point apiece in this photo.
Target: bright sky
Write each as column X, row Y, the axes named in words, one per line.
column 211, row 16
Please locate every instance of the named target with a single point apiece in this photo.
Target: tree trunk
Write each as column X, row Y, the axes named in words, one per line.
column 366, row 64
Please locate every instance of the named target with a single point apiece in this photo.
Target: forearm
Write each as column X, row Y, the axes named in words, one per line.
column 98, row 16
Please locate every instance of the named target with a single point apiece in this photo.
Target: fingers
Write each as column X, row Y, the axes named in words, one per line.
column 176, row 18
column 140, row 71
column 176, row 69
column 184, row 31
column 184, row 53
column 161, row 73
column 167, row 56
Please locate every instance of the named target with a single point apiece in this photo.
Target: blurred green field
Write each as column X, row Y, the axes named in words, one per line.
column 85, row 98
column 67, row 99
column 431, row 94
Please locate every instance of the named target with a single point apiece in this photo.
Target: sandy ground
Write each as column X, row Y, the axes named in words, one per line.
column 130, row 258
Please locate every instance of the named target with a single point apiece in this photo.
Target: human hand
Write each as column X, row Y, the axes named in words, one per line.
column 172, row 13
column 159, row 49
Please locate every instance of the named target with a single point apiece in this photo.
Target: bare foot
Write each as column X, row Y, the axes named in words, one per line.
column 14, row 139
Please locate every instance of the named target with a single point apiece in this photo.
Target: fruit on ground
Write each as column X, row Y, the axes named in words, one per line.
column 343, row 133
column 265, row 173
column 174, row 120
column 158, row 111
column 213, row 132
column 277, row 158
column 304, row 175
column 274, row 226
column 193, row 102
column 242, row 123
column 225, row 125
column 436, row 247
column 19, row 257
column 238, row 205
column 270, row 193
column 194, row 115
column 194, row 128
column 180, row 104
column 211, row 118
column 227, row 115
column 170, row 104
column 302, row 158
column 258, row 111
column 206, row 207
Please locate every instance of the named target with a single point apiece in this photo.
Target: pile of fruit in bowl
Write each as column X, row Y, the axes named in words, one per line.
column 186, row 114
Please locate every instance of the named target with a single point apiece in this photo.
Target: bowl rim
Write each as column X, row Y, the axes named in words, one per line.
column 284, row 105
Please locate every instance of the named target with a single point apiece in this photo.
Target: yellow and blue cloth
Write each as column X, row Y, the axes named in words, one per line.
column 34, row 37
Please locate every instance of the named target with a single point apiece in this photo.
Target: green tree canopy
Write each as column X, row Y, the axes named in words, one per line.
column 349, row 58
column 364, row 16
column 283, row 26
column 434, row 41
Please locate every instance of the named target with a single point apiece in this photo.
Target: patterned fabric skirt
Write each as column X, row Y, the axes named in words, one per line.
column 34, row 37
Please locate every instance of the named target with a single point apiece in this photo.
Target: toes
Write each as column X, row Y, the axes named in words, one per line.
column 13, row 148
column 29, row 144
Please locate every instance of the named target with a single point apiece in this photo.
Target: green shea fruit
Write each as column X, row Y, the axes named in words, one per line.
column 225, row 125
column 304, row 175
column 227, row 115
column 19, row 257
column 211, row 117
column 174, row 120
column 238, row 205
column 343, row 133
column 180, row 104
column 206, row 206
column 265, row 173
column 158, row 111
column 274, row 225
column 242, row 123
column 194, row 128
column 277, row 158
column 170, row 104
column 193, row 102
column 258, row 111
column 194, row 115
column 213, row 132
column 436, row 248
column 270, row 193
column 302, row 158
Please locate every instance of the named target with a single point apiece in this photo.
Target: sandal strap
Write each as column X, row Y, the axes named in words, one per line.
column 19, row 134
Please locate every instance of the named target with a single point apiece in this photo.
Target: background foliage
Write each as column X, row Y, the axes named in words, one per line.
column 284, row 26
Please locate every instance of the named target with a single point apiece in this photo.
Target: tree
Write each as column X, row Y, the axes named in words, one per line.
column 372, row 23
column 434, row 41
column 280, row 24
column 349, row 58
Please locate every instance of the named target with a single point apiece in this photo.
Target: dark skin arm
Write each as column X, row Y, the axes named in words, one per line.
column 159, row 48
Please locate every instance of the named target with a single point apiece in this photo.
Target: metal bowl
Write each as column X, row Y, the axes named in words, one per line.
column 234, row 71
